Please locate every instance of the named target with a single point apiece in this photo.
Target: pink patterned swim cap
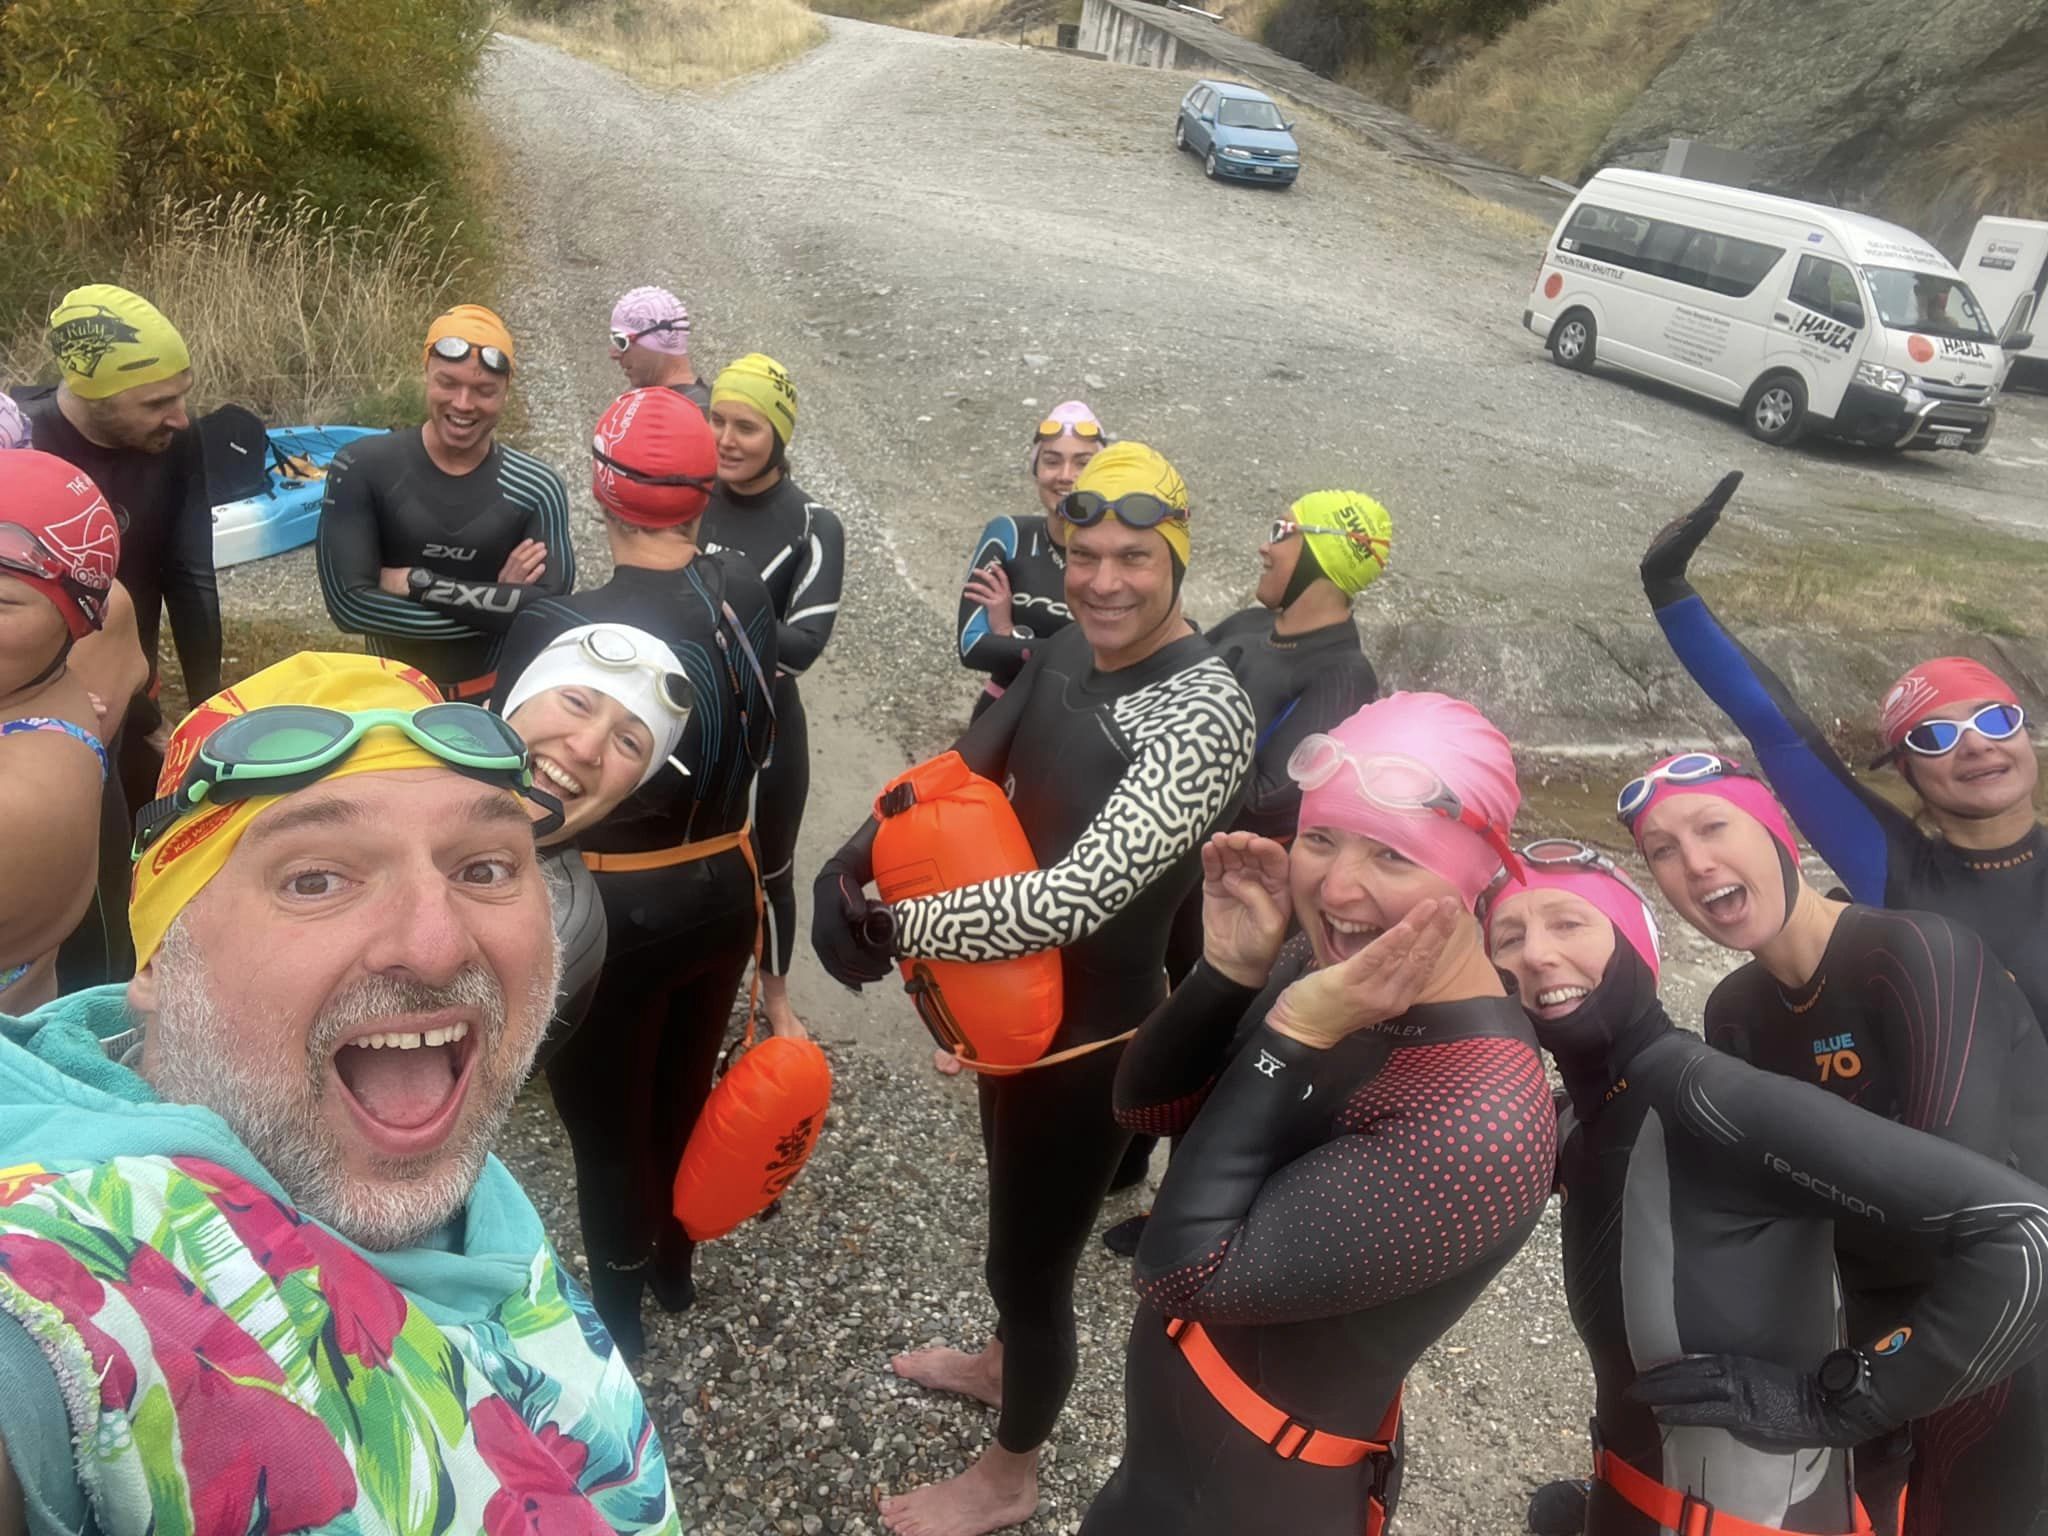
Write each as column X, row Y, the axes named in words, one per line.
column 656, row 319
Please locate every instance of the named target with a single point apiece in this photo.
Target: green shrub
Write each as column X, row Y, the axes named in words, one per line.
column 1332, row 36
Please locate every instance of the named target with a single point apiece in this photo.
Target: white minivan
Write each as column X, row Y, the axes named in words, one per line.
column 1807, row 318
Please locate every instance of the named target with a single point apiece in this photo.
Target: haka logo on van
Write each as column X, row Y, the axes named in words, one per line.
column 1951, row 347
column 1819, row 329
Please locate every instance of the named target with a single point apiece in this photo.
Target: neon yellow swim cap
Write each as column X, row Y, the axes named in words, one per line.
column 1349, row 533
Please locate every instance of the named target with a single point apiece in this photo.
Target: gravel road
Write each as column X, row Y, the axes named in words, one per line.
column 940, row 238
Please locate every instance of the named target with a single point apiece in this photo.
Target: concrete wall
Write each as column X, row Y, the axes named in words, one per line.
column 1129, row 39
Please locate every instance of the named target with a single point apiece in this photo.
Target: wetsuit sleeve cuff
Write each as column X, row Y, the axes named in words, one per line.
column 1217, row 990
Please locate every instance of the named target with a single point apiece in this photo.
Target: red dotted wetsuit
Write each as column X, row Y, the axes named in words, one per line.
column 1328, row 1215
column 1911, row 1017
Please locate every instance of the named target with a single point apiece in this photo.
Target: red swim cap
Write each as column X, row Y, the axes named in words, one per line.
column 1935, row 685
column 653, row 459
column 58, row 534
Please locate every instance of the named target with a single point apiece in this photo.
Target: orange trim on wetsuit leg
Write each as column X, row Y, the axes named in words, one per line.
column 1683, row 1513
column 1285, row 1436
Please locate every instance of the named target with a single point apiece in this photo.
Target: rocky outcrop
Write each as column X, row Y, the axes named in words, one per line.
column 1835, row 98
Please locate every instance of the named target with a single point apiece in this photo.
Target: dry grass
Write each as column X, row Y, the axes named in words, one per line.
column 1543, row 95
column 302, row 315
column 1993, row 164
column 680, row 44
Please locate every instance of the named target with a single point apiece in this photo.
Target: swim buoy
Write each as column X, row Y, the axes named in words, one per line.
column 754, row 1137
column 944, row 826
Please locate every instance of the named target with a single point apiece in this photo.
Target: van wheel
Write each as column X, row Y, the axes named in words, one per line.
column 1775, row 409
column 1572, row 340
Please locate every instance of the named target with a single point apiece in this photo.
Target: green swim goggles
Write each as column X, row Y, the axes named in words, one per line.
column 285, row 747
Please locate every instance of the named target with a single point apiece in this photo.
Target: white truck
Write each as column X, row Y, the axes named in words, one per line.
column 2006, row 266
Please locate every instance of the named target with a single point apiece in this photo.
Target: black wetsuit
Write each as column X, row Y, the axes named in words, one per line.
column 580, row 929
column 1327, row 1216
column 1693, row 1181
column 1117, row 778
column 630, row 1083
column 1881, row 855
column 160, row 501
column 697, row 392
column 1910, row 1017
column 798, row 548
column 388, row 504
column 1037, row 572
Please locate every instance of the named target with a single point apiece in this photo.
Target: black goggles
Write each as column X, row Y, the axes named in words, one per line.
column 641, row 477
column 1134, row 509
column 454, row 349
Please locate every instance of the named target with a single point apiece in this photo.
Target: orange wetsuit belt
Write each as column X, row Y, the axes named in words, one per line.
column 1288, row 1438
column 1683, row 1513
column 690, row 853
column 474, row 689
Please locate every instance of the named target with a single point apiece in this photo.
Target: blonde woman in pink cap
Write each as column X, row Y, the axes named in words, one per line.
column 1366, row 1136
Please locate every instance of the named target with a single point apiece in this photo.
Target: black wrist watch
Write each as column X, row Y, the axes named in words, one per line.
column 417, row 579
column 1843, row 1374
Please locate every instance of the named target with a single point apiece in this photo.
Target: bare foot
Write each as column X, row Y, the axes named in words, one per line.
column 782, row 1018
column 997, row 1492
column 945, row 1063
column 979, row 1376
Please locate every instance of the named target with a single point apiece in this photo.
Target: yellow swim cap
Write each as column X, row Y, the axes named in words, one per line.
column 192, row 850
column 760, row 381
column 475, row 324
column 109, row 340
column 1350, row 535
column 1124, row 469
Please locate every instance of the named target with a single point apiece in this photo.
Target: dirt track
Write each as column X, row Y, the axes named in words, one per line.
column 940, row 238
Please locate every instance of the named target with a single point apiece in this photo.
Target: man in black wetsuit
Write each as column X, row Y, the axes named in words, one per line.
column 1123, row 743
column 118, row 413
column 798, row 548
column 650, row 341
column 1692, row 1182
column 1298, row 655
column 433, row 540
column 1904, row 1014
column 674, row 863
column 1954, row 730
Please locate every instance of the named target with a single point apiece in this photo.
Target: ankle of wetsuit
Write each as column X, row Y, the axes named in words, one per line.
column 1596, row 1041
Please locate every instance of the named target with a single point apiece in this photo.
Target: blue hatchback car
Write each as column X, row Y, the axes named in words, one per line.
column 1238, row 132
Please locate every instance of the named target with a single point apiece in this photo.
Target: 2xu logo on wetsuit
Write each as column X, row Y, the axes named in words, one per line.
column 489, row 598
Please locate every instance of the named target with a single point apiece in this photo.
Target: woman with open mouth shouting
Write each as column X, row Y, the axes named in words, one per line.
column 1953, row 729
column 1367, row 1137
column 602, row 710
column 1905, row 1014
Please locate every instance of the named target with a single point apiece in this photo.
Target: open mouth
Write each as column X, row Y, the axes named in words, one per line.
column 567, row 786
column 1555, row 1001
column 1343, row 939
column 406, row 1087
column 1109, row 613
column 1726, row 906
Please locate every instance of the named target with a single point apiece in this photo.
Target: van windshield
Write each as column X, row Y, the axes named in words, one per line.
column 1238, row 112
column 1929, row 303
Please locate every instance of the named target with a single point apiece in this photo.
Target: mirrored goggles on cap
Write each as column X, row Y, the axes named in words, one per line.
column 1287, row 528
column 1394, row 782
column 641, row 477
column 1561, row 853
column 1134, row 509
column 23, row 552
column 615, row 650
column 455, row 349
column 281, row 748
column 1938, row 738
column 1688, row 768
column 624, row 339
column 1051, row 428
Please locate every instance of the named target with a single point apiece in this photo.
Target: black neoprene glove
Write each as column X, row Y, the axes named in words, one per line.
column 847, row 930
column 1664, row 562
column 1766, row 1404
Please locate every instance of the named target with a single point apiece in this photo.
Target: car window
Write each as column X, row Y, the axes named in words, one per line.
column 1198, row 102
column 1699, row 258
column 1827, row 288
column 1929, row 303
column 1240, row 112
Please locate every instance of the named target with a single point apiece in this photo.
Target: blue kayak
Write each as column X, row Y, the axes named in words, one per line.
column 282, row 510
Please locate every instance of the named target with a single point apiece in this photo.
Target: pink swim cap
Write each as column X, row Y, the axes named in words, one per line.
column 1615, row 899
column 1370, row 774
column 14, row 431
column 1739, row 790
column 1069, row 414
column 641, row 311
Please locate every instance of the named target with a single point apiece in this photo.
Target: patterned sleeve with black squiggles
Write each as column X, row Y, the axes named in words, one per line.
column 1187, row 742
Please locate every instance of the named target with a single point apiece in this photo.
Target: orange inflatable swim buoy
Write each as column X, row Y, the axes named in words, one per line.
column 754, row 1137
column 944, row 826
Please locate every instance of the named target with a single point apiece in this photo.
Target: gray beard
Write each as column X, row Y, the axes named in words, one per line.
column 275, row 1111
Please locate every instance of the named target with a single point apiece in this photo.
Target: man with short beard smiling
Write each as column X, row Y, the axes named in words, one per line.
column 257, row 1263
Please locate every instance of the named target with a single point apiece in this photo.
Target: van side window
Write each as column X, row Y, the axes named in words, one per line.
column 1827, row 288
column 1697, row 257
